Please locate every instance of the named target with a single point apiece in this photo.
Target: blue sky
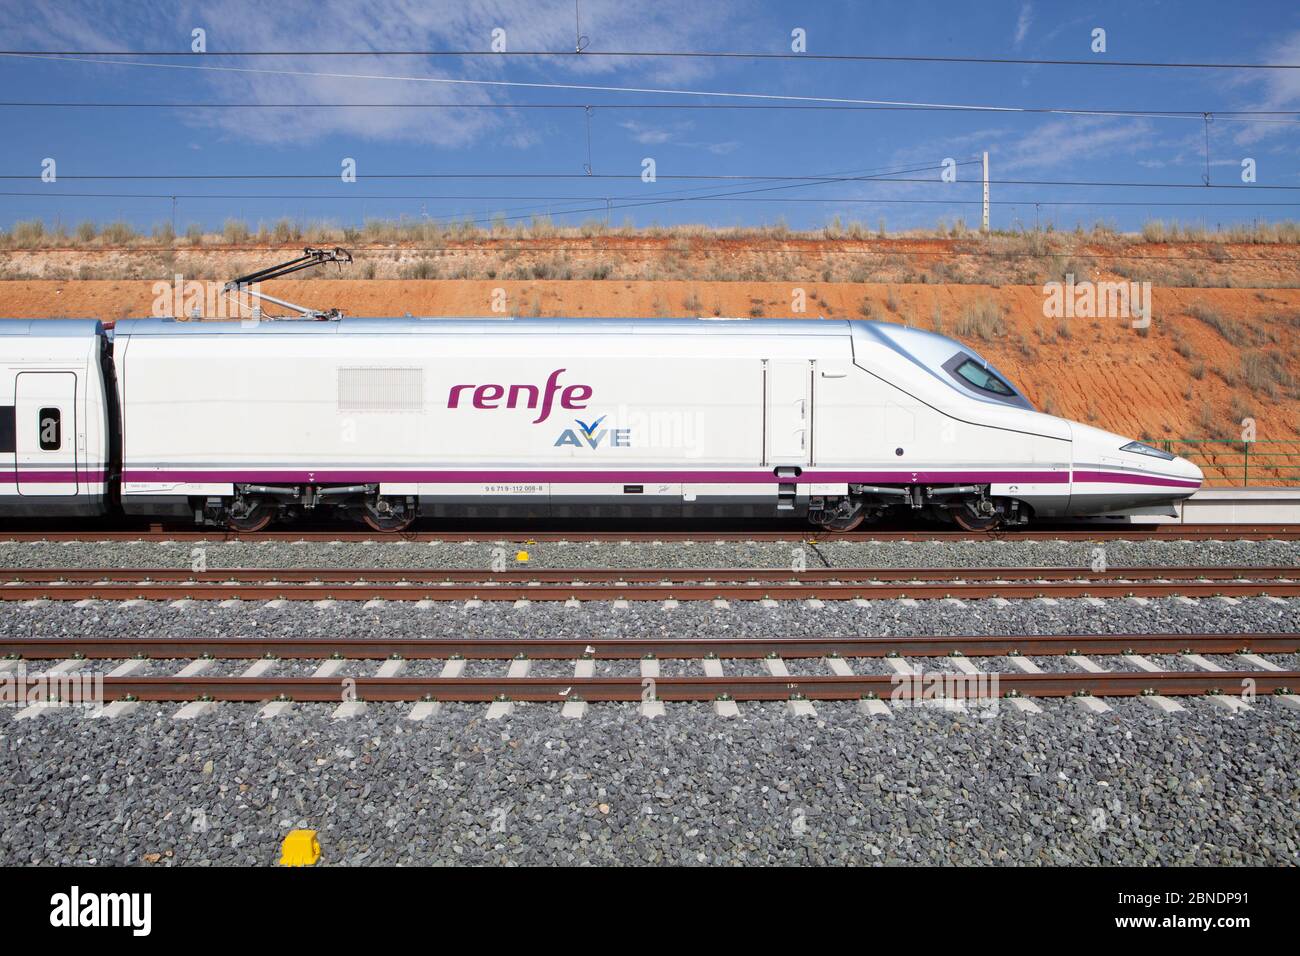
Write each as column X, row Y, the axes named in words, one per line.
column 205, row 141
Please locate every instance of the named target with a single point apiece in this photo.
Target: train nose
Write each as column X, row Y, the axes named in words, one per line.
column 1188, row 471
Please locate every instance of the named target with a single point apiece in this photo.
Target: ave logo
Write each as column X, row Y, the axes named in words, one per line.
column 592, row 435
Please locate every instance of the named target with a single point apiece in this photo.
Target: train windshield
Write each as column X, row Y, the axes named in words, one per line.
column 1139, row 448
column 982, row 378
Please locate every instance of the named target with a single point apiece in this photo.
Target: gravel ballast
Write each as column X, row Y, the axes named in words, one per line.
column 485, row 556
column 604, row 619
column 923, row 786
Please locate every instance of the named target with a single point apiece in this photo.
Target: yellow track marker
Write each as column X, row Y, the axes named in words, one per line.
column 300, row 848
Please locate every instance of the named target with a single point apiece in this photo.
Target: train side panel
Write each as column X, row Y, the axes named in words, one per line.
column 577, row 417
column 54, row 418
column 471, row 424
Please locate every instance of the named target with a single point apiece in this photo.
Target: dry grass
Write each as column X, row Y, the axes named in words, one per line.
column 1240, row 409
column 981, row 320
column 936, row 319
column 1231, row 330
column 235, row 231
column 28, row 234
column 1284, row 231
column 849, row 252
column 1031, row 243
column 421, row 269
column 1265, row 373
column 117, row 233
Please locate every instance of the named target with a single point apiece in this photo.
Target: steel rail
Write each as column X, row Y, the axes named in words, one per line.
column 592, row 575
column 555, row 690
column 299, row 648
column 1170, row 532
column 705, row 591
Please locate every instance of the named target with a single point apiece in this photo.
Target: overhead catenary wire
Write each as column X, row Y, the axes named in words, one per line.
column 587, row 53
column 769, row 101
column 380, row 197
column 666, row 197
column 716, row 177
column 590, row 88
column 660, row 199
column 872, row 175
column 1240, row 116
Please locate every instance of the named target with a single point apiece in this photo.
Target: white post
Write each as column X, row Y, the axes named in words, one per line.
column 985, row 227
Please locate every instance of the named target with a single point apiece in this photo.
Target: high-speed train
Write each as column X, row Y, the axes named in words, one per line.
column 238, row 423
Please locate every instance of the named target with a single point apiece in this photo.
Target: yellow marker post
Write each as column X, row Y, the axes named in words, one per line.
column 300, row 848
column 521, row 557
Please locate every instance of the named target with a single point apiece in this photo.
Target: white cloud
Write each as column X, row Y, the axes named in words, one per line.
column 1022, row 24
column 652, row 135
column 1067, row 140
column 1281, row 88
column 1272, row 89
column 657, row 135
column 395, row 24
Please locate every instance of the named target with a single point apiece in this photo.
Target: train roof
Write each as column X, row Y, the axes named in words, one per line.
column 916, row 344
column 51, row 328
column 483, row 326
column 927, row 351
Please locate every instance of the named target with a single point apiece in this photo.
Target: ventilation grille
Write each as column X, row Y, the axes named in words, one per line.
column 381, row 389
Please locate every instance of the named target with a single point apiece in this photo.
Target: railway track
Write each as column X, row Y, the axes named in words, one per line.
column 256, row 584
column 631, row 648
column 1181, row 532
column 960, row 678
column 770, row 688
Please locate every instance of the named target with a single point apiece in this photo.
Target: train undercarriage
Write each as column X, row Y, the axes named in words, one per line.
column 255, row 506
column 970, row 507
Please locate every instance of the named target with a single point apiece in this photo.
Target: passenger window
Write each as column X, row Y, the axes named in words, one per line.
column 50, row 424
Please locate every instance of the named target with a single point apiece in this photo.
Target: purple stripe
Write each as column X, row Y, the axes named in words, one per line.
column 611, row 477
column 930, row 477
column 615, row 477
column 1126, row 478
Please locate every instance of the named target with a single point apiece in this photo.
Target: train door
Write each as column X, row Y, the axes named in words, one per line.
column 787, row 430
column 45, row 427
column 788, row 418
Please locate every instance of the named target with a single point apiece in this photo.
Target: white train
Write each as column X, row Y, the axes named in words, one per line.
column 238, row 423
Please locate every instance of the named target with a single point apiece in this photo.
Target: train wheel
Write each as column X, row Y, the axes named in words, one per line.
column 390, row 524
column 844, row 526
column 970, row 522
column 257, row 518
